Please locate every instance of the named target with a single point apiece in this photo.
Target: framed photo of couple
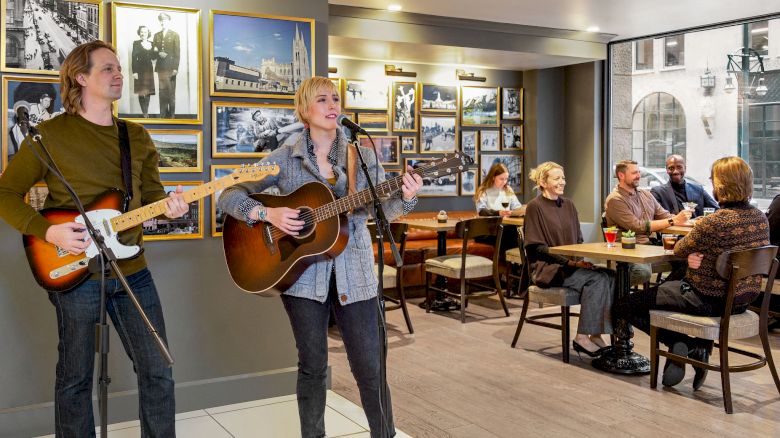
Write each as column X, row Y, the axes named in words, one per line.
column 159, row 49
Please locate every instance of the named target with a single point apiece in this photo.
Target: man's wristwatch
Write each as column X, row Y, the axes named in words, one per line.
column 261, row 213
column 671, row 221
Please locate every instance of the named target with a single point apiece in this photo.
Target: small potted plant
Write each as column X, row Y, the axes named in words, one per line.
column 628, row 239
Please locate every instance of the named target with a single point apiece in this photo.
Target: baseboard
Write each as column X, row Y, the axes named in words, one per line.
column 38, row 419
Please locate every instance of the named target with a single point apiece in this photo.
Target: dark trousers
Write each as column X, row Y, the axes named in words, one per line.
column 167, row 83
column 357, row 323
column 77, row 313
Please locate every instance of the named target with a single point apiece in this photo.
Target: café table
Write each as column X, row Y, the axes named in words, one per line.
column 680, row 230
column 621, row 359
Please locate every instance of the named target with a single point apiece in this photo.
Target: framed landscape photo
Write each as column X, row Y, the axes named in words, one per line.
column 258, row 55
column 180, row 150
column 438, row 134
column 438, row 98
column 37, row 36
column 468, row 143
column 38, row 96
column 243, row 129
column 489, row 140
column 444, row 186
column 479, row 106
column 468, row 182
column 369, row 95
column 188, row 226
column 373, row 122
column 386, row 146
column 512, row 103
column 512, row 162
column 408, row 145
column 404, row 103
column 513, row 137
column 159, row 49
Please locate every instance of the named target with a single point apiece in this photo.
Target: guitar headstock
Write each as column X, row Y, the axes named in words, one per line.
column 450, row 164
column 254, row 172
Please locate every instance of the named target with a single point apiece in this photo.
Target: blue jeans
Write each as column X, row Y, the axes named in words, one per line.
column 77, row 313
column 357, row 323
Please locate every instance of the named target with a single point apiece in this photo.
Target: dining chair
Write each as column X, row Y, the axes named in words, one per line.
column 732, row 266
column 393, row 277
column 468, row 267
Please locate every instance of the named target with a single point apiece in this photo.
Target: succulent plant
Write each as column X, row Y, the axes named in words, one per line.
column 628, row 234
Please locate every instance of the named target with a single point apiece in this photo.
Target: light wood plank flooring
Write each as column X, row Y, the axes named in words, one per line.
column 463, row 380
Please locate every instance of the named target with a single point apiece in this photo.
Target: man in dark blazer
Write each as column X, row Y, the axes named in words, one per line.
column 166, row 44
column 672, row 194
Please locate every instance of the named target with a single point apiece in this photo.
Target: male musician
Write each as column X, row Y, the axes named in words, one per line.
column 84, row 144
column 166, row 44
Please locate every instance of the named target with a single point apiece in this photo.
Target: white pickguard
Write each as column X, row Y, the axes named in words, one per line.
column 101, row 220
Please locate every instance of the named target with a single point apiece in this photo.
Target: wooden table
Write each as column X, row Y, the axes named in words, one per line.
column 680, row 230
column 513, row 220
column 621, row 359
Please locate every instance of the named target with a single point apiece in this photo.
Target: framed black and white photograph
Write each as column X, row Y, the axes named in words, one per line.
column 479, row 106
column 512, row 162
column 438, row 98
column 38, row 35
column 489, row 140
column 438, row 134
column 159, row 49
column 512, row 103
column 373, row 122
column 259, row 55
column 468, row 182
column 360, row 94
column 513, row 137
column 444, row 186
column 242, row 129
column 386, row 146
column 188, row 226
column 38, row 97
column 180, row 150
column 217, row 214
column 37, row 196
column 468, row 143
column 404, row 103
column 392, row 173
column 408, row 145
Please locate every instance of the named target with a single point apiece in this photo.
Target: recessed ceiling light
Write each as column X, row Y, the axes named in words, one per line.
column 592, row 29
column 394, row 8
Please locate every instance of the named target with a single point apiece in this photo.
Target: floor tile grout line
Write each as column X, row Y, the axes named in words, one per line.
column 221, row 425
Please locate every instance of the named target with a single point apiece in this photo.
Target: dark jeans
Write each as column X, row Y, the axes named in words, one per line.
column 357, row 323
column 77, row 313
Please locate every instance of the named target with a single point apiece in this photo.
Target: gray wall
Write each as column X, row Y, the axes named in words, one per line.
column 229, row 346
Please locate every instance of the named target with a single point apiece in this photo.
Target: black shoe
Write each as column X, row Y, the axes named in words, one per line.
column 701, row 354
column 580, row 349
column 674, row 372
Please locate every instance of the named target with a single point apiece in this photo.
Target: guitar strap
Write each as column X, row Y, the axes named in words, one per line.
column 124, row 156
column 351, row 169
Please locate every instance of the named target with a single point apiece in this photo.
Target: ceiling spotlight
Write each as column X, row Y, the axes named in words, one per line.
column 394, row 8
column 463, row 76
column 592, row 29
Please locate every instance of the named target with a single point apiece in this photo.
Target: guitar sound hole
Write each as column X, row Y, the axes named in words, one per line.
column 307, row 215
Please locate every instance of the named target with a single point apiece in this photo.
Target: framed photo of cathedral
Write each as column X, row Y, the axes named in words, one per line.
column 259, row 55
column 159, row 49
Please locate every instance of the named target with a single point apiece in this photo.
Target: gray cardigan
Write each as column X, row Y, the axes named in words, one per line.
column 354, row 267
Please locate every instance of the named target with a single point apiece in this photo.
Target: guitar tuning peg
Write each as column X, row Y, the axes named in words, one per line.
column 436, row 173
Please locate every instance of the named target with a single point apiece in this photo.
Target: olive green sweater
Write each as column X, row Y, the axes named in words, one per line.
column 88, row 156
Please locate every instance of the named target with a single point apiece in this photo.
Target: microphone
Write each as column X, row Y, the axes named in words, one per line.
column 349, row 124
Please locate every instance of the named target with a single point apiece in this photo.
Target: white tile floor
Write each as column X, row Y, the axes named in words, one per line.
column 273, row 418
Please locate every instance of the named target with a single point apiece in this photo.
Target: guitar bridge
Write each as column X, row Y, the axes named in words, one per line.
column 268, row 239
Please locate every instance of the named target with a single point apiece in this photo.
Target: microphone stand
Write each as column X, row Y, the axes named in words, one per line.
column 105, row 254
column 382, row 227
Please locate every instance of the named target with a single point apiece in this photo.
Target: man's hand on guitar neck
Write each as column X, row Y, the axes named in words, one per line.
column 70, row 236
column 282, row 218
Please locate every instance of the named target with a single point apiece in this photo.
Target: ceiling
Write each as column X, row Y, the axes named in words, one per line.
column 623, row 18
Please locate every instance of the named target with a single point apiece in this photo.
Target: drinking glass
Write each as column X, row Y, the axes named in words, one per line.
column 611, row 235
column 505, row 204
column 669, row 241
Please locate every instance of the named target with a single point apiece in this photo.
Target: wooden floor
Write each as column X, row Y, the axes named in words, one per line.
column 463, row 380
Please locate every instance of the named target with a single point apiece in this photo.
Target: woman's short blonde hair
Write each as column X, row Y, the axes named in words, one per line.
column 732, row 180
column 77, row 62
column 307, row 92
column 540, row 173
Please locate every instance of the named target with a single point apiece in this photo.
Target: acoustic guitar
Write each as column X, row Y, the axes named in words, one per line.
column 57, row 270
column 264, row 260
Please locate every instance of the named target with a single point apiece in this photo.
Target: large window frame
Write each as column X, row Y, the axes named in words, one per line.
column 674, row 51
column 643, row 55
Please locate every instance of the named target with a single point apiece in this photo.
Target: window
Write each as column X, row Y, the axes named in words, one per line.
column 658, row 130
column 674, row 51
column 11, row 48
column 643, row 54
column 759, row 36
column 765, row 150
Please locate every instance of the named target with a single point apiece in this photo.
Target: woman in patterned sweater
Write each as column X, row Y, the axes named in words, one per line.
column 736, row 226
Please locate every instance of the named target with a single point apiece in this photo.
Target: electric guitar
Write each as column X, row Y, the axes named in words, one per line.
column 265, row 261
column 57, row 270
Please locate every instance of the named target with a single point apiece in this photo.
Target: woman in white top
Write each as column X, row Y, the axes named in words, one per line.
column 494, row 197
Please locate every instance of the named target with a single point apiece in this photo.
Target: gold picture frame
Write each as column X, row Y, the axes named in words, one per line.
column 438, row 129
column 244, row 26
column 472, row 98
column 433, row 187
column 186, row 160
column 404, row 107
column 511, row 97
column 373, row 122
column 387, row 147
column 431, row 101
column 373, row 94
column 408, row 145
column 218, row 216
column 189, row 226
column 19, row 26
column 249, row 129
column 339, row 86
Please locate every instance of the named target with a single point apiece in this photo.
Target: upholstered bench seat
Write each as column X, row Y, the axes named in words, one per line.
column 449, row 266
column 741, row 326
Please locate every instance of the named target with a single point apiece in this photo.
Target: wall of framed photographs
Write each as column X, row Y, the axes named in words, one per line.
column 422, row 117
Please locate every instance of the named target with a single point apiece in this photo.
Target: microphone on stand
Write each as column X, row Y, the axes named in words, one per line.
column 344, row 121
